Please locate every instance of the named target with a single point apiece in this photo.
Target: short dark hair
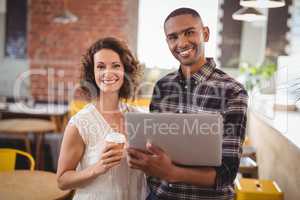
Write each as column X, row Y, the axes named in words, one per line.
column 182, row 11
column 131, row 66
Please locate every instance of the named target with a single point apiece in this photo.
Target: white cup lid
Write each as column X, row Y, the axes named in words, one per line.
column 115, row 137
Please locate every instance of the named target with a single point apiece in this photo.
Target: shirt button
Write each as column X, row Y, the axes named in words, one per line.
column 185, row 86
column 196, row 82
column 180, row 111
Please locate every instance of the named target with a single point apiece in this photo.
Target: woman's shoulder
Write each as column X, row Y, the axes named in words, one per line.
column 85, row 112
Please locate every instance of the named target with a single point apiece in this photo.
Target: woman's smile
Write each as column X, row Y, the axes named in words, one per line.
column 110, row 81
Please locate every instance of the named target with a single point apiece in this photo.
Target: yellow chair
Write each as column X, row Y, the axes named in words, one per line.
column 140, row 102
column 8, row 159
column 75, row 106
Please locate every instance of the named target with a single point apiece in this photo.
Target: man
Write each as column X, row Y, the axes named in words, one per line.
column 198, row 85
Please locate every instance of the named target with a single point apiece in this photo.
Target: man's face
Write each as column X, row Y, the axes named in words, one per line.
column 186, row 37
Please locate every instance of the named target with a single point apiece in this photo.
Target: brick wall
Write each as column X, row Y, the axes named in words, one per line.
column 55, row 50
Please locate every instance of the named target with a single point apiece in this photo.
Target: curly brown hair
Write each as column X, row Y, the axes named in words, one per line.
column 131, row 66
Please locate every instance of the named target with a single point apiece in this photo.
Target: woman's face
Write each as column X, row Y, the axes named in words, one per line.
column 108, row 71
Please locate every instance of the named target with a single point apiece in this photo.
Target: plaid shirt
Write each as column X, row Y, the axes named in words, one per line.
column 209, row 89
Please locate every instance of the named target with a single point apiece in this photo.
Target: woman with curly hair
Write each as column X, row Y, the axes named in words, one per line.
column 89, row 162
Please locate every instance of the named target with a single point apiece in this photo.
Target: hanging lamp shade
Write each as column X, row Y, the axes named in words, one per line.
column 66, row 16
column 262, row 3
column 249, row 15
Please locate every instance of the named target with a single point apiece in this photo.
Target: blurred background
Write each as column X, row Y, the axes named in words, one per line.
column 41, row 42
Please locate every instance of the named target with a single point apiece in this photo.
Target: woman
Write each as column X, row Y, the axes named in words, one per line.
column 95, row 168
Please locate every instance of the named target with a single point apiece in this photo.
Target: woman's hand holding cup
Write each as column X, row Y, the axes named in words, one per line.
column 112, row 153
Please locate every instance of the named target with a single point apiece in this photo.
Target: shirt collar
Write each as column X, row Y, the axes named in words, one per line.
column 204, row 72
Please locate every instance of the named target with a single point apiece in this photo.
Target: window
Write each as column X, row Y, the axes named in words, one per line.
column 153, row 50
column 13, row 45
column 16, row 29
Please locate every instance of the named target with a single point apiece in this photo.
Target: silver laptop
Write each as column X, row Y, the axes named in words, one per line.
column 189, row 139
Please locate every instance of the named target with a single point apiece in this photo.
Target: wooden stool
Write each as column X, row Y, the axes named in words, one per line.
column 248, row 168
column 250, row 189
column 248, row 149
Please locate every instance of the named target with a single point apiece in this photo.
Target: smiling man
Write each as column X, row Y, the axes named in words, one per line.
column 196, row 87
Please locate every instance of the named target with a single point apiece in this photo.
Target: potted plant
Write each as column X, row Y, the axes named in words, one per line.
column 260, row 76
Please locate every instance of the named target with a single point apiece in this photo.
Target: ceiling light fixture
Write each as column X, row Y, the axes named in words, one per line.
column 66, row 16
column 249, row 15
column 262, row 3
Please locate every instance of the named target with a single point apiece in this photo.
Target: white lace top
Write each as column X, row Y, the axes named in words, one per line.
column 120, row 182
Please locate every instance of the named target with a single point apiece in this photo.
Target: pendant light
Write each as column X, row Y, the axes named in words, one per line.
column 262, row 3
column 249, row 15
column 66, row 16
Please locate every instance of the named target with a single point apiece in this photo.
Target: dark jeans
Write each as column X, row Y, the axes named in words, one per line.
column 151, row 196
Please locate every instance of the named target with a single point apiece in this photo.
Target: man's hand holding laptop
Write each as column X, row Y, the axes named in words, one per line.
column 155, row 162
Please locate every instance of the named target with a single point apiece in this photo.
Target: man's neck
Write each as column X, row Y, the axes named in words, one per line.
column 189, row 70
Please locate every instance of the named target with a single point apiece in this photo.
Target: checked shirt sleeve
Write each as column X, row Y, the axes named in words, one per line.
column 156, row 97
column 235, row 118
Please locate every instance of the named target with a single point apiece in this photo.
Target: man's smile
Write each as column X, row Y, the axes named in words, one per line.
column 185, row 53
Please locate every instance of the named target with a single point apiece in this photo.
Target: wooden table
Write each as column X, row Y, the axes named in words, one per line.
column 34, row 185
column 57, row 113
column 21, row 128
column 248, row 167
